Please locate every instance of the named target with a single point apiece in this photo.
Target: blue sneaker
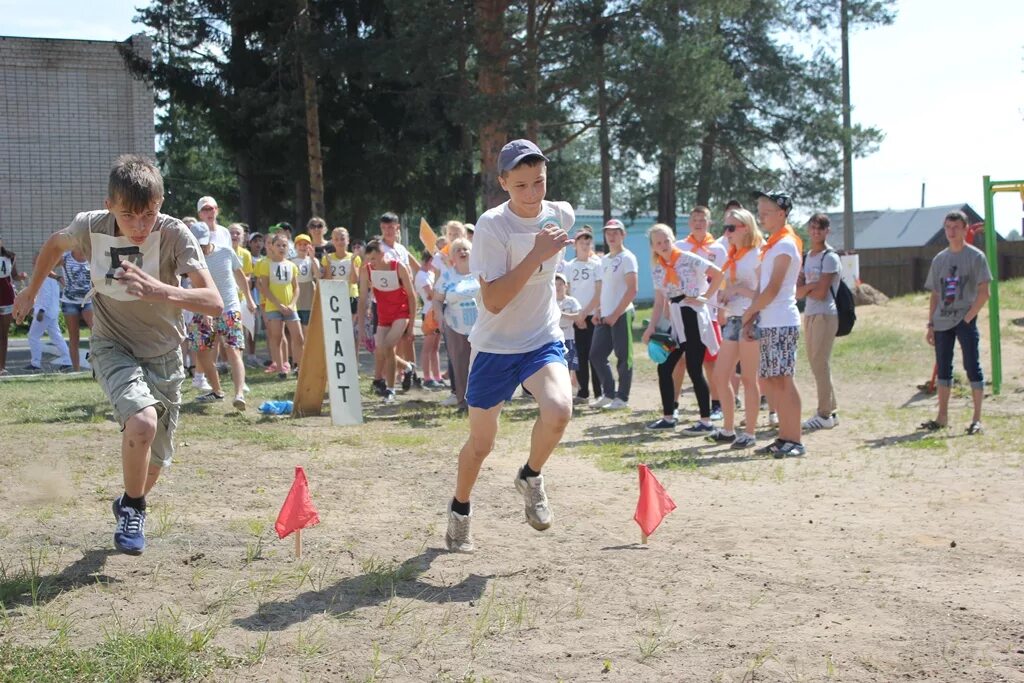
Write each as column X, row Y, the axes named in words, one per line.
column 699, row 429
column 130, row 536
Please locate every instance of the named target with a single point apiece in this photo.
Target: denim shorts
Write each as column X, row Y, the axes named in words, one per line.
column 304, row 316
column 71, row 308
column 969, row 337
column 733, row 330
column 493, row 377
column 571, row 356
column 278, row 315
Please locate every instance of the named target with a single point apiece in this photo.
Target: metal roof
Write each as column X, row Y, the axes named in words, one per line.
column 911, row 227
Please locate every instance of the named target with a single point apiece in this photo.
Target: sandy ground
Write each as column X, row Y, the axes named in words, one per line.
column 881, row 556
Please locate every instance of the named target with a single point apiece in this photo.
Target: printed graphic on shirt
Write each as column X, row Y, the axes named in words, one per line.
column 108, row 254
column 951, row 286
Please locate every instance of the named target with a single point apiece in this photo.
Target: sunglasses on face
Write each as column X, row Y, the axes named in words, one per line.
column 729, row 227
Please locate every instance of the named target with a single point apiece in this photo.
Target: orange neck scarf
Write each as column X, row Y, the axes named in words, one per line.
column 786, row 231
column 735, row 255
column 700, row 246
column 671, row 278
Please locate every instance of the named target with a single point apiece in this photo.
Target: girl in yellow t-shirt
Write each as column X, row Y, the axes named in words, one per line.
column 279, row 289
column 343, row 265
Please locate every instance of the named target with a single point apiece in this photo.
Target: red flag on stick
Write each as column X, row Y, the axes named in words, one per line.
column 298, row 512
column 653, row 505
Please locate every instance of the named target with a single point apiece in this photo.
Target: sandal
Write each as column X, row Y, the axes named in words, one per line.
column 975, row 428
column 931, row 426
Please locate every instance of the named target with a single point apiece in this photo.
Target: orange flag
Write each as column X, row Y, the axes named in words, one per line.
column 427, row 236
column 298, row 511
column 654, row 502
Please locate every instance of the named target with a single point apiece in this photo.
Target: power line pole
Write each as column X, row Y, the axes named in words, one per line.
column 848, row 232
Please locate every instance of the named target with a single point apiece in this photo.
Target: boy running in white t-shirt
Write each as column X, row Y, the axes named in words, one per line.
column 516, row 338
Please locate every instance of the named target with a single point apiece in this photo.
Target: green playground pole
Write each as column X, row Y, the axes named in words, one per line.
column 993, row 301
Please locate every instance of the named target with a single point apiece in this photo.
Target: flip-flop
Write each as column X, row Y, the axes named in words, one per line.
column 975, row 428
column 932, row 426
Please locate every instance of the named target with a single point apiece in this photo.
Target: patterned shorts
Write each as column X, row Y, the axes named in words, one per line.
column 778, row 351
column 202, row 335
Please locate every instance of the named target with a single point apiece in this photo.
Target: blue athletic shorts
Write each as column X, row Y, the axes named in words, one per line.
column 493, row 377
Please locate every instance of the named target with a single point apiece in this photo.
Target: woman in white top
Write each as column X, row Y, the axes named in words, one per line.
column 740, row 288
column 683, row 284
column 430, row 357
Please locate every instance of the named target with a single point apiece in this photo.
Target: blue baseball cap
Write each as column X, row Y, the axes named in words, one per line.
column 201, row 232
column 514, row 152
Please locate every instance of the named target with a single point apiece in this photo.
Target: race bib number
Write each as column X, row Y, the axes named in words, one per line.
column 6, row 267
column 305, row 267
column 281, row 272
column 384, row 280
column 582, row 272
column 341, row 268
column 109, row 252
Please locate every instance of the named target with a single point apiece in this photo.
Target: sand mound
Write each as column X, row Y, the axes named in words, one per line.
column 866, row 295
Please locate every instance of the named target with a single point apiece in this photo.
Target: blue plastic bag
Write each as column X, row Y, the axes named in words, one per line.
column 276, row 407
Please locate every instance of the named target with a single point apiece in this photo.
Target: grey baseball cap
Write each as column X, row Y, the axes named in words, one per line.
column 514, row 152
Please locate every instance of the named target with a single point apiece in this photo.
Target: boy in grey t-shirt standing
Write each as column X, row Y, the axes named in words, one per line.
column 958, row 280
column 137, row 255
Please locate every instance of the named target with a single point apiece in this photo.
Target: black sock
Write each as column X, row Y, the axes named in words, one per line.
column 527, row 472
column 461, row 508
column 716, row 404
column 137, row 503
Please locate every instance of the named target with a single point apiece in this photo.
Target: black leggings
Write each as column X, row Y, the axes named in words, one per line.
column 584, row 338
column 694, row 351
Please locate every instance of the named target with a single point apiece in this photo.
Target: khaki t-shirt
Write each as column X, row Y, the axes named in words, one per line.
column 146, row 329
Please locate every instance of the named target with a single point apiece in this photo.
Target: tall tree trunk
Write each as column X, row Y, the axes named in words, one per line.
column 667, row 190
column 492, row 86
column 248, row 192
column 467, row 180
column 532, row 74
column 603, row 138
column 707, row 162
column 315, row 161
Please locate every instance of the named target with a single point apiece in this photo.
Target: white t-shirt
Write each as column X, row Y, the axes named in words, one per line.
column 569, row 306
column 717, row 253
column 222, row 264
column 691, row 271
column 782, row 311
column 398, row 252
column 221, row 237
column 424, row 280
column 613, row 279
column 583, row 278
column 746, row 276
column 305, row 266
column 500, row 242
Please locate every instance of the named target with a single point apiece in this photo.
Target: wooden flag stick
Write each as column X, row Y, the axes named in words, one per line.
column 643, row 538
column 298, row 544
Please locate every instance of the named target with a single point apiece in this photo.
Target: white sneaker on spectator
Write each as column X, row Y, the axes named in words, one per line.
column 451, row 401
column 817, row 422
column 601, row 402
column 617, row 404
column 200, row 384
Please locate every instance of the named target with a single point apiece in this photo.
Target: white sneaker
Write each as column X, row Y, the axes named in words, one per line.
column 773, row 419
column 617, row 404
column 200, row 384
column 451, row 401
column 818, row 422
column 538, row 512
column 601, row 402
column 458, row 538
column 239, row 402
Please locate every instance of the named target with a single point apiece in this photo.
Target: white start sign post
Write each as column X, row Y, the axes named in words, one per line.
column 340, row 350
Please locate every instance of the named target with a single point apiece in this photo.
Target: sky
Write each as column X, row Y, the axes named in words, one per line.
column 945, row 83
